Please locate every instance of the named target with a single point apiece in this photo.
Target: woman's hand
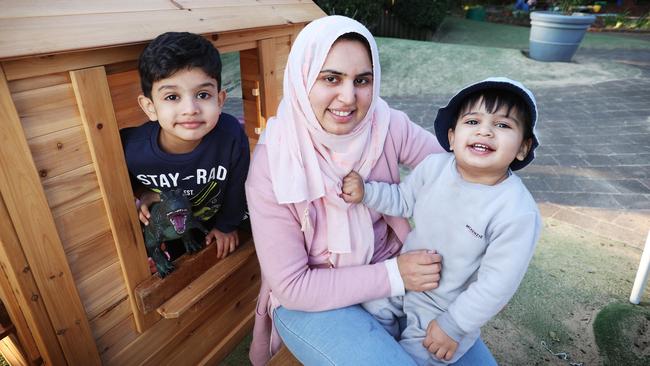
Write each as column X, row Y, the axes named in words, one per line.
column 420, row 269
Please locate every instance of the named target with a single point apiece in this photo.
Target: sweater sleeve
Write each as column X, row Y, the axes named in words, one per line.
column 283, row 257
column 396, row 199
column 234, row 205
column 502, row 268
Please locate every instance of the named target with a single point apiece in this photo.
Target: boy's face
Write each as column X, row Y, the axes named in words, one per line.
column 485, row 144
column 187, row 105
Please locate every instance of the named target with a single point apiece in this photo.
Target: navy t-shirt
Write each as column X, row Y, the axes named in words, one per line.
column 212, row 176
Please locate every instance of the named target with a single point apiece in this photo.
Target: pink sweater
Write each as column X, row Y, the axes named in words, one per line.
column 291, row 247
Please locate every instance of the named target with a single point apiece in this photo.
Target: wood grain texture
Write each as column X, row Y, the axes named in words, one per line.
column 94, row 100
column 60, row 152
column 125, row 88
column 23, row 36
column 154, row 291
column 102, row 290
column 206, row 282
column 46, row 110
column 207, row 338
column 11, row 351
column 10, row 279
column 78, row 226
column 72, row 190
column 228, row 343
column 38, row 82
column 111, row 317
column 32, row 219
column 169, row 337
column 93, row 256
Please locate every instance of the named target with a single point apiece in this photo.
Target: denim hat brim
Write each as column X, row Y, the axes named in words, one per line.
column 447, row 115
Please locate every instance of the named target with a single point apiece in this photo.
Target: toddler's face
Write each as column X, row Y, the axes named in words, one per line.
column 485, row 144
column 187, row 105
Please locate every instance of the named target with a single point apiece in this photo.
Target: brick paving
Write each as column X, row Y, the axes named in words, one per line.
column 592, row 169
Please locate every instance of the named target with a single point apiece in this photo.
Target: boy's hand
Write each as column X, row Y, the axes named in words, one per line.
column 352, row 188
column 226, row 242
column 439, row 343
column 146, row 200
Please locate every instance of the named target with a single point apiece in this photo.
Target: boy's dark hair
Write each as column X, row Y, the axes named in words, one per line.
column 174, row 51
column 495, row 99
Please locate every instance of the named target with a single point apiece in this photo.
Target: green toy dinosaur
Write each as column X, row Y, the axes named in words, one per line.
column 171, row 218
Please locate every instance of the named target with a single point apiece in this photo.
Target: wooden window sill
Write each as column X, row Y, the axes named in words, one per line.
column 195, row 276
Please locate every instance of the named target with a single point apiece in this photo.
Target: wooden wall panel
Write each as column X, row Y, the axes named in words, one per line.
column 117, row 338
column 230, row 341
column 102, row 290
column 46, row 110
column 169, row 337
column 125, row 88
column 38, row 82
column 268, row 77
column 83, row 224
column 203, row 338
column 282, row 48
column 51, row 64
column 91, row 257
column 60, row 152
column 22, row 298
column 273, row 55
column 94, row 99
column 72, row 190
column 32, row 219
column 111, row 317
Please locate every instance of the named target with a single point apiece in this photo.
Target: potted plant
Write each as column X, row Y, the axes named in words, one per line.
column 556, row 35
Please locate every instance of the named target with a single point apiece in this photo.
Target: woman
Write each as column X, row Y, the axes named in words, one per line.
column 320, row 257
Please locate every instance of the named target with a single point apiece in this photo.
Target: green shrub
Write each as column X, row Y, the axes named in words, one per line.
column 421, row 13
column 366, row 12
column 620, row 330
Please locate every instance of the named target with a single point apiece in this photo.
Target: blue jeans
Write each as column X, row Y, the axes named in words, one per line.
column 351, row 336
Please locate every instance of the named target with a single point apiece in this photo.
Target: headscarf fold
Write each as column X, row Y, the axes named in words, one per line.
column 306, row 162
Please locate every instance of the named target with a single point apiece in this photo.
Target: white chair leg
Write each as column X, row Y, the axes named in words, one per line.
column 641, row 273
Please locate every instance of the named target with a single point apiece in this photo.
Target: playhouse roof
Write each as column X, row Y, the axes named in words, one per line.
column 44, row 27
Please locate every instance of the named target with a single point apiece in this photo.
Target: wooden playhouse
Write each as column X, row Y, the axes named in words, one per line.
column 75, row 281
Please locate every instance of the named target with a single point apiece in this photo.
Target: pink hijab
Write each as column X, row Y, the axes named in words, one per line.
column 306, row 162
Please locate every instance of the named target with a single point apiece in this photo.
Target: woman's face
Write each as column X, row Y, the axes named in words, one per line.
column 342, row 93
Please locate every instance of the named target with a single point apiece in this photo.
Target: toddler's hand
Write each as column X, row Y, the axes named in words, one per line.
column 439, row 343
column 226, row 242
column 146, row 200
column 352, row 188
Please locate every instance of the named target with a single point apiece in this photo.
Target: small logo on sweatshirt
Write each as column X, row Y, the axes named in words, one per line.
column 473, row 232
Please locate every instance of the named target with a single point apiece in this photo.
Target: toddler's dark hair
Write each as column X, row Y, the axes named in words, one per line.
column 495, row 99
column 174, row 51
